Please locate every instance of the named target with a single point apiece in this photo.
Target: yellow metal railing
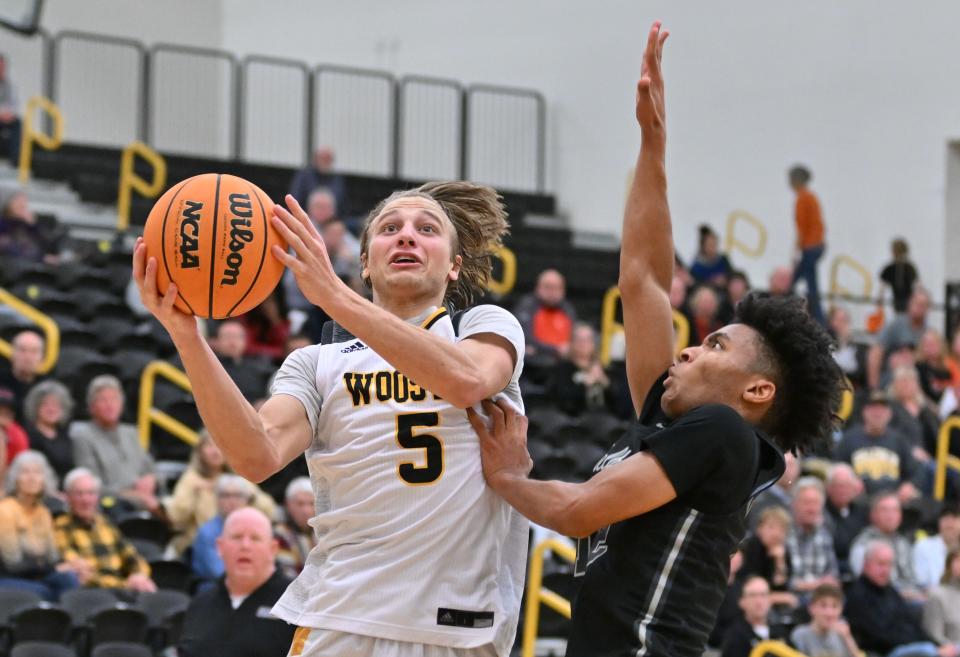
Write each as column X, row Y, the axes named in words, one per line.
column 837, row 289
column 505, row 285
column 148, row 415
column 537, row 595
column 51, row 332
column 31, row 135
column 610, row 327
column 777, row 648
column 130, row 182
column 681, row 328
column 944, row 458
column 754, row 251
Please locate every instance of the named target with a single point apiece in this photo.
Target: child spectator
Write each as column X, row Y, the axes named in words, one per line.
column 827, row 634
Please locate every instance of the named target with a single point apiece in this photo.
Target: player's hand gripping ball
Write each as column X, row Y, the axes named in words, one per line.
column 211, row 235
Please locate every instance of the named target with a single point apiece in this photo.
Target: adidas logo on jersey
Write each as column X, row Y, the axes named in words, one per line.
column 356, row 346
column 446, row 617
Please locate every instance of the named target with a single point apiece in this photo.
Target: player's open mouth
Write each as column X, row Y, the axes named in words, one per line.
column 404, row 260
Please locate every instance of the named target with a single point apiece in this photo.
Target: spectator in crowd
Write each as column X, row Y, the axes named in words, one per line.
column 710, row 266
column 704, row 311
column 930, row 553
column 913, row 415
column 936, row 371
column 29, row 559
column 738, row 285
column 850, row 356
column 905, row 330
column 194, row 499
column 112, row 450
column 230, row 346
column 900, row 276
column 810, row 238
column 813, row 561
column 754, row 626
column 885, row 518
column 295, row 535
column 729, row 610
column 17, row 440
column 881, row 619
column 881, row 456
column 827, row 634
column 21, row 236
column 766, row 554
column 9, row 115
column 267, row 327
column 47, row 410
column 344, row 256
column 84, row 534
column 23, row 372
column 845, row 517
column 547, row 319
column 779, row 495
column 319, row 173
column 232, row 618
column 233, row 492
column 953, row 358
column 941, row 613
column 780, row 284
column 578, row 382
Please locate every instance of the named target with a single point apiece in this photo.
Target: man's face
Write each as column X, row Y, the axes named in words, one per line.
column 842, row 488
column 949, row 528
column 231, row 340
column 106, row 407
column 247, row 548
column 876, row 418
column 755, row 600
column 878, row 565
column 300, row 508
column 409, row 250
column 825, row 612
column 83, row 498
column 886, row 515
column 323, row 159
column 27, row 354
column 321, row 208
column 808, row 508
column 718, row 371
column 918, row 306
column 551, row 288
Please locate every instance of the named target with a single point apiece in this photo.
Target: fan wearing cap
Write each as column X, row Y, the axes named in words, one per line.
column 14, row 436
column 881, row 456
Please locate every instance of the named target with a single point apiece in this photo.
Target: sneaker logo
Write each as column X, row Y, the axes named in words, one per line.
column 356, row 346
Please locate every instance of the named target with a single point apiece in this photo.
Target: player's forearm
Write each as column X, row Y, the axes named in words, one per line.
column 647, row 247
column 232, row 422
column 549, row 504
column 438, row 365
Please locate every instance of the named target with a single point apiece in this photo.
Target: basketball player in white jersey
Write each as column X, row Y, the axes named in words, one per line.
column 417, row 557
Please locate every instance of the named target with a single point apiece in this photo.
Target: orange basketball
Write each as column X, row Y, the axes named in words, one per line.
column 211, row 235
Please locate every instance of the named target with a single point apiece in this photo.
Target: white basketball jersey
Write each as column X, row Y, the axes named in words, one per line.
column 413, row 545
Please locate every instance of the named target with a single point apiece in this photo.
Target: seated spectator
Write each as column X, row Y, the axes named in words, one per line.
column 850, row 356
column 547, row 318
column 21, row 236
column 233, row 492
column 710, row 266
column 813, row 561
column 267, row 327
column 17, row 440
column 899, row 275
column 84, row 534
column 23, row 372
column 781, row 282
column 194, row 500
column 295, row 535
column 111, row 450
column 47, row 410
column 230, row 346
column 319, row 174
column 933, row 365
column 905, row 330
column 578, row 382
column 953, row 358
column 754, row 626
column 738, row 285
column 9, row 115
column 826, row 633
column 885, row 518
column 846, row 518
column 704, row 307
column 913, row 415
column 344, row 254
column 29, row 559
column 880, row 618
column 941, row 613
column 766, row 554
column 930, row 553
column 232, row 618
column 779, row 495
column 881, row 456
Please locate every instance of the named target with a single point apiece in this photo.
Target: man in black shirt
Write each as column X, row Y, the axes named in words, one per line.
column 665, row 508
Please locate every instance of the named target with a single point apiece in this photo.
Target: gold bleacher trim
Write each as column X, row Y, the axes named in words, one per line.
column 32, row 136
column 838, row 290
column 537, row 595
column 944, row 458
column 776, row 648
column 147, row 414
column 51, row 332
column 732, row 243
column 508, row 259
column 130, row 182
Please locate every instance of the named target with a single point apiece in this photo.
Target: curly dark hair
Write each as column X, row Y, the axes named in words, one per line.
column 795, row 352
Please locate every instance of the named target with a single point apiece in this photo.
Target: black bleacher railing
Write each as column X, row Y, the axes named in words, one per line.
column 263, row 110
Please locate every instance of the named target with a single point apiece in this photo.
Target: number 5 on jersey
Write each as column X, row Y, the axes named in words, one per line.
column 431, row 467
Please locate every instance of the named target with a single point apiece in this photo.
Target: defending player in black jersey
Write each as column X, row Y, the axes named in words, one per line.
column 665, row 507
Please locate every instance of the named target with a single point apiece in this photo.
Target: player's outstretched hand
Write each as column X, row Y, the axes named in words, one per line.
column 177, row 322
column 503, row 442
column 651, row 112
column 309, row 262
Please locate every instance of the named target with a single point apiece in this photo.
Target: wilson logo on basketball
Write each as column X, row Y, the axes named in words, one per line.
column 240, row 236
column 190, row 235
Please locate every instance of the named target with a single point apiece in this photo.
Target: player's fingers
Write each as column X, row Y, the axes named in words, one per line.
column 297, row 210
column 509, row 414
column 139, row 253
column 478, row 424
column 287, row 231
column 281, row 254
column 496, row 417
column 649, row 53
column 150, row 279
column 170, row 297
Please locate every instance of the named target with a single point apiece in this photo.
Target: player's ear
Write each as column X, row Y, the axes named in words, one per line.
column 455, row 268
column 364, row 274
column 760, row 391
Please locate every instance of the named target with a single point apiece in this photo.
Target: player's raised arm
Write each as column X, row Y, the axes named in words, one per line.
column 647, row 255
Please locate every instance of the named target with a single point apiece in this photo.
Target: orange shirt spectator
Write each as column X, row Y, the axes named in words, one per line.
column 809, row 220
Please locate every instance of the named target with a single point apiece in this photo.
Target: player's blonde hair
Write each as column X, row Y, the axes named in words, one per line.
column 480, row 222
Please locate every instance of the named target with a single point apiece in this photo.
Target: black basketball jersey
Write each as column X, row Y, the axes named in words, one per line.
column 652, row 584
